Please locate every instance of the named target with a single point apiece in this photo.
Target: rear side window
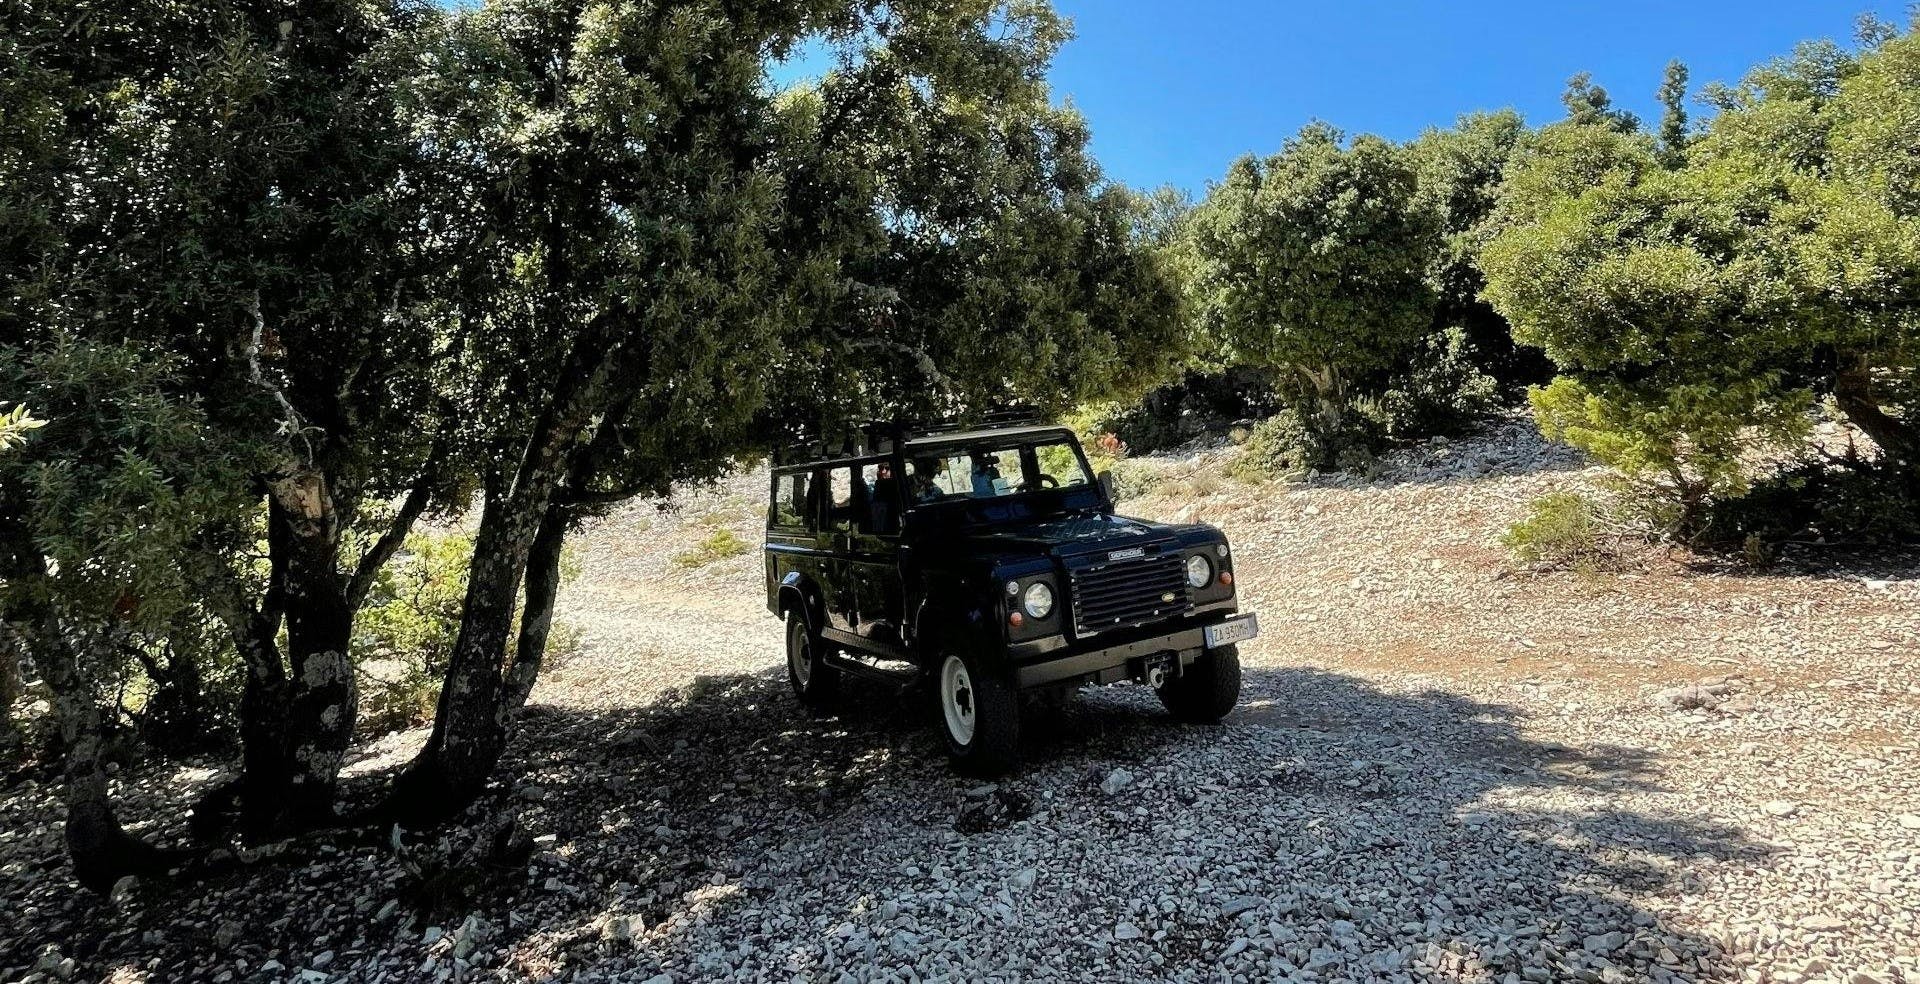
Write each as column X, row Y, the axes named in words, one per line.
column 791, row 502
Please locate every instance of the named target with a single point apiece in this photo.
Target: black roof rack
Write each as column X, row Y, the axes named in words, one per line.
column 882, row 436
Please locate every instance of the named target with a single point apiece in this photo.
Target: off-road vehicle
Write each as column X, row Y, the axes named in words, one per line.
column 988, row 561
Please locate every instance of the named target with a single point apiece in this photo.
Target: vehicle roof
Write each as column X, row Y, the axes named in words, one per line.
column 939, row 440
column 985, row 434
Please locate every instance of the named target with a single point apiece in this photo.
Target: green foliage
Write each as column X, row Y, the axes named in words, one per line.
column 719, row 544
column 1589, row 105
column 1696, row 312
column 1673, row 115
column 1561, row 530
column 15, row 425
column 404, row 636
column 1834, row 502
column 985, row 258
column 413, row 610
column 1313, row 263
column 1285, row 444
column 119, row 489
column 1442, row 391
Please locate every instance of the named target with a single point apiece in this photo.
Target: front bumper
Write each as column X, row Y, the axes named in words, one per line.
column 1125, row 658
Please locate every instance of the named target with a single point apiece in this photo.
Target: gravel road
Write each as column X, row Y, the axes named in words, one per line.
column 1442, row 769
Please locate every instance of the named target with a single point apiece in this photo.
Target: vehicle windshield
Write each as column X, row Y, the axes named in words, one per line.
column 994, row 470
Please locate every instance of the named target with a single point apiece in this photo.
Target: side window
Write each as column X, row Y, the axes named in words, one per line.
column 790, row 501
column 847, row 506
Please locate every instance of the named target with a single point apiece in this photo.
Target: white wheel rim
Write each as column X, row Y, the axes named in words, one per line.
column 800, row 661
column 956, row 699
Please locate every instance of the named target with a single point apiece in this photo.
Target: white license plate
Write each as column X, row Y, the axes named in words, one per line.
column 1235, row 630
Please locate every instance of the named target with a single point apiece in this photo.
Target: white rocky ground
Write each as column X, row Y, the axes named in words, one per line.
column 1442, row 770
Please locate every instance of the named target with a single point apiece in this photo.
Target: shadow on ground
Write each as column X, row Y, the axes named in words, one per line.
column 718, row 831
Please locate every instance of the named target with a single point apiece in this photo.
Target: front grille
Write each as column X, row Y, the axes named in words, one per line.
column 1129, row 593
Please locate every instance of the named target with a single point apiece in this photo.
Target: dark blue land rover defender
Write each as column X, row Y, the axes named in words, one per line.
column 989, row 561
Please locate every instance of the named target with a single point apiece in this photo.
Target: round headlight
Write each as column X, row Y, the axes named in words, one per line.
column 1199, row 570
column 1039, row 599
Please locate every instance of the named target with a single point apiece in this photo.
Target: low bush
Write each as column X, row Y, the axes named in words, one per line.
column 1443, row 391
column 1133, row 479
column 1284, row 445
column 1563, row 530
column 719, row 544
column 405, row 633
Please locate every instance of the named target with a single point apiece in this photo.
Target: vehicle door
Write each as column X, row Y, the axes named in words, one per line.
column 794, row 531
column 863, row 522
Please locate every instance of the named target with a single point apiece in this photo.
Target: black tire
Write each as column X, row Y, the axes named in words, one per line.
column 815, row 682
column 993, row 747
column 1208, row 690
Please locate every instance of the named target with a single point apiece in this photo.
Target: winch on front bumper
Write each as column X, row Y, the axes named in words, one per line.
column 1134, row 654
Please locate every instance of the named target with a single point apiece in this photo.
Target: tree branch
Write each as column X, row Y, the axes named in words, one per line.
column 396, row 535
column 294, row 425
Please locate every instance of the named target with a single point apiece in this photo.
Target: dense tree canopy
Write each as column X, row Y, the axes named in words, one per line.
column 1313, row 263
column 287, row 276
column 1698, row 310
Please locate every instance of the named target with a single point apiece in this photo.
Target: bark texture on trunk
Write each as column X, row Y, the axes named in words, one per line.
column 536, row 614
column 10, row 686
column 1853, row 391
column 470, row 721
column 322, row 699
column 101, row 850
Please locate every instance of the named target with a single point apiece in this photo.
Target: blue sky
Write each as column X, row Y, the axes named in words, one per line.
column 1176, row 89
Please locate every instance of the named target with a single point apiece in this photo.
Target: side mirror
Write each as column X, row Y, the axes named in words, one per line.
column 1106, row 483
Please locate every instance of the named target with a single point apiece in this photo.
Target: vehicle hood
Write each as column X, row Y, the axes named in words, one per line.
column 1067, row 536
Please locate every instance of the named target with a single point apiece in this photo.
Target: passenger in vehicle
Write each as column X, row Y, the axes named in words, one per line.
column 882, row 504
column 921, row 482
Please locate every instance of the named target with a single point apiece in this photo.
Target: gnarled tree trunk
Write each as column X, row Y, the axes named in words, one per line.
column 536, row 614
column 322, row 700
column 101, row 850
column 1853, row 391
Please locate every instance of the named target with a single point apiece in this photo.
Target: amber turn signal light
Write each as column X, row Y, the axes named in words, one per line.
column 1226, row 579
column 1016, row 620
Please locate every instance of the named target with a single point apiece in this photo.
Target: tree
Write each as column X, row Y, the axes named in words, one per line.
column 100, row 524
column 676, row 224
column 1697, row 313
column 1673, row 116
column 1460, row 172
column 617, row 160
column 230, row 188
column 1313, row 263
column 1589, row 105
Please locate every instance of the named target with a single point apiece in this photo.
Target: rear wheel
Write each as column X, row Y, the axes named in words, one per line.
column 1209, row 688
column 980, row 715
column 814, row 681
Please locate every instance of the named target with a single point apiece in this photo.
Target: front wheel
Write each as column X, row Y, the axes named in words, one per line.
column 1209, row 688
column 980, row 712
column 814, row 681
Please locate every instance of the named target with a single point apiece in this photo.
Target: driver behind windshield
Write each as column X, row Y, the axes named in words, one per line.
column 986, row 477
